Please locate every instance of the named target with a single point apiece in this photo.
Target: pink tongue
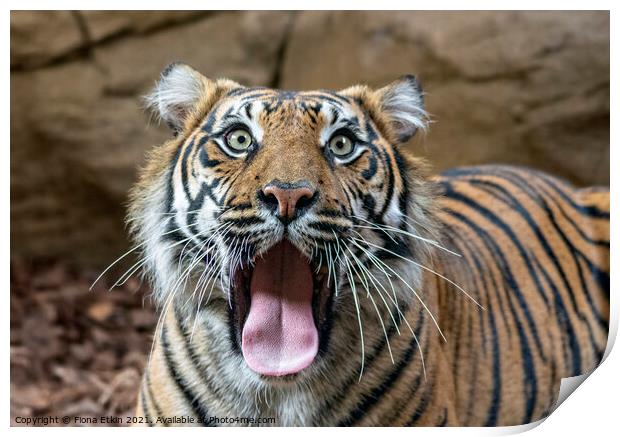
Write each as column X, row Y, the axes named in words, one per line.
column 279, row 336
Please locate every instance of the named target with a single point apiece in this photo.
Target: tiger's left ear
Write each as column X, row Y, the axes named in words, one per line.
column 397, row 108
column 401, row 107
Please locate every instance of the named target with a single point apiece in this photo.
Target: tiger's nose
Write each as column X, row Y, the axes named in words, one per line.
column 289, row 200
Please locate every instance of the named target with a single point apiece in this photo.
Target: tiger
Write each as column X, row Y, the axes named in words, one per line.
column 309, row 271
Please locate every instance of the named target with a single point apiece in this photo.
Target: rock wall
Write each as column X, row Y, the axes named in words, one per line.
column 527, row 88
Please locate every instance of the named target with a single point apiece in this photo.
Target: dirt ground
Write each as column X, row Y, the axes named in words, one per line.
column 75, row 352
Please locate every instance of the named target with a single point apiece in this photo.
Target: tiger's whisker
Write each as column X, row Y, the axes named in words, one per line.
column 370, row 255
column 369, row 295
column 385, row 228
column 133, row 249
column 427, row 269
column 135, row 267
column 378, row 285
column 415, row 294
column 128, row 273
column 357, row 306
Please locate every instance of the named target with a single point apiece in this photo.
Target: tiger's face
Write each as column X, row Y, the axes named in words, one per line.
column 277, row 203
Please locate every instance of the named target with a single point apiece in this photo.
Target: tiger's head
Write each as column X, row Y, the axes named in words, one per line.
column 287, row 206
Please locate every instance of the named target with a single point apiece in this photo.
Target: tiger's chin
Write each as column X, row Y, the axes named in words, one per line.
column 281, row 312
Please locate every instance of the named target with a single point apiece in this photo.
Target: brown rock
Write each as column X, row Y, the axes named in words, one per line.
column 241, row 46
column 105, row 24
column 79, row 131
column 527, row 88
column 74, row 155
column 39, row 37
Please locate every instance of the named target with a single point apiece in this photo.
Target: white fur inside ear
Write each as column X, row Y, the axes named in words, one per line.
column 403, row 103
column 176, row 94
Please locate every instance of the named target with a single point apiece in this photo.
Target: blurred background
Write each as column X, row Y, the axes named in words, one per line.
column 527, row 88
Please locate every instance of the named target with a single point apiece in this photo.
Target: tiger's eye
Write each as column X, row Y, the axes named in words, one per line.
column 239, row 139
column 341, row 145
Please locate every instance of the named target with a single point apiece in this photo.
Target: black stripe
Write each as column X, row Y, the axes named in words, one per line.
column 530, row 382
column 200, row 367
column 184, row 175
column 153, row 400
column 565, row 323
column 590, row 211
column 257, row 96
column 203, row 155
column 421, row 408
column 602, row 277
column 248, row 110
column 241, row 91
column 192, row 399
column 378, row 392
column 403, row 199
column 552, row 182
column 328, row 227
column 369, row 172
column 569, row 289
column 170, row 186
column 493, row 411
column 390, row 184
column 327, row 98
column 507, row 230
column 413, row 390
column 377, row 351
column 575, row 226
column 145, row 409
column 243, row 221
column 335, row 115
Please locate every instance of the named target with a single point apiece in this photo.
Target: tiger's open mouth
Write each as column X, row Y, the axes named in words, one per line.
column 280, row 311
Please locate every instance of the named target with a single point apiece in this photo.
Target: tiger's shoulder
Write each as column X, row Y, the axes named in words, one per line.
column 526, row 206
column 469, row 183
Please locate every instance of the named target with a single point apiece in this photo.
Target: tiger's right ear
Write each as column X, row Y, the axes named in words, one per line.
column 182, row 94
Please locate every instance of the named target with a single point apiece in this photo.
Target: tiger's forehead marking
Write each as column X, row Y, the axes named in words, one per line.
column 261, row 108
